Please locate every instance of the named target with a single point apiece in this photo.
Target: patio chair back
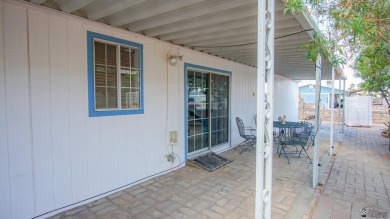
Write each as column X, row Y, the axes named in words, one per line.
column 311, row 118
column 249, row 140
column 240, row 126
column 305, row 130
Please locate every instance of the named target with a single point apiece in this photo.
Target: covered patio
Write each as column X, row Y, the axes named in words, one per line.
column 228, row 192
column 62, row 149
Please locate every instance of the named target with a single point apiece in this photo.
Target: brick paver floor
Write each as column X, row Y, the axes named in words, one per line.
column 228, row 192
column 360, row 177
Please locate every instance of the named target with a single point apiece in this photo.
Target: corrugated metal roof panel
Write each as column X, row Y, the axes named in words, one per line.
column 210, row 26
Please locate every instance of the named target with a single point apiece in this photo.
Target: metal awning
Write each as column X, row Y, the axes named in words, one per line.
column 224, row 28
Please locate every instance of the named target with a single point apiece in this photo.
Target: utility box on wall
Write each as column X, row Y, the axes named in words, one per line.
column 358, row 111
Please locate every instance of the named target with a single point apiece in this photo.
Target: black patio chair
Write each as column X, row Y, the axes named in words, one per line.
column 307, row 131
column 297, row 136
column 249, row 140
column 312, row 118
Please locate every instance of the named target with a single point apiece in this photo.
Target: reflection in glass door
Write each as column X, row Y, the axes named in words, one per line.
column 198, row 111
column 208, row 110
column 219, row 109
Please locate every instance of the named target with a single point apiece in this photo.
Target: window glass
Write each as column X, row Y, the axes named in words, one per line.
column 101, row 97
column 135, row 62
column 134, row 79
column 100, row 53
column 125, row 57
column 111, row 55
column 115, row 71
column 134, row 98
column 208, row 110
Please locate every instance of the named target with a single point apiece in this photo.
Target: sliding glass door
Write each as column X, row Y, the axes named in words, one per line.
column 219, row 109
column 208, row 110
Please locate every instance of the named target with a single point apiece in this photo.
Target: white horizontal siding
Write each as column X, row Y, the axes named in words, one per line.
column 57, row 154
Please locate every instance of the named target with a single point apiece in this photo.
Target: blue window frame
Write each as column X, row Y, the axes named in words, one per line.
column 115, row 76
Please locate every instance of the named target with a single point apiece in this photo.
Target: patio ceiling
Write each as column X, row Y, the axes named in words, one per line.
column 209, row 26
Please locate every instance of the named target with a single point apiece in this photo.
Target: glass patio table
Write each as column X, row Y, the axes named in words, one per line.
column 283, row 129
column 288, row 124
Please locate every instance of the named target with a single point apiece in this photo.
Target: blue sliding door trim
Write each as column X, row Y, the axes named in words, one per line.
column 211, row 70
column 230, row 110
column 185, row 114
column 91, row 76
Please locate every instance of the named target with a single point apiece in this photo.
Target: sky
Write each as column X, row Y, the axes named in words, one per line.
column 349, row 73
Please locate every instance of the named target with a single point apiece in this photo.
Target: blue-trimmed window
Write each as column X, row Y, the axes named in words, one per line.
column 115, row 76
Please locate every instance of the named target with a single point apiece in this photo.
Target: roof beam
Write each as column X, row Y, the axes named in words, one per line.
column 293, row 38
column 300, row 61
column 226, row 33
column 296, row 55
column 236, row 51
column 242, row 58
column 249, row 61
column 234, row 48
column 210, row 19
column 239, row 57
column 38, row 1
column 293, row 48
column 286, row 32
column 293, row 60
column 281, row 52
column 70, row 6
column 232, row 54
column 289, row 43
column 103, row 9
column 224, row 41
column 206, row 29
column 190, row 12
column 149, row 9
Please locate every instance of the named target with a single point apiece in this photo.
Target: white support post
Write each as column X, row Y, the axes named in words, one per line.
column 339, row 116
column 343, row 106
column 331, row 146
column 270, row 18
column 261, row 47
column 265, row 67
column 317, row 121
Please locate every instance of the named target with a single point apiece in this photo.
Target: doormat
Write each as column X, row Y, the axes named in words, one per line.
column 210, row 161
